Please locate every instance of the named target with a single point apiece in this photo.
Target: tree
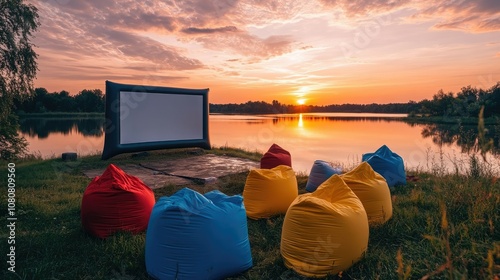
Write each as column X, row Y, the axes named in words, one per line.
column 17, row 69
column 66, row 102
column 90, row 100
column 38, row 100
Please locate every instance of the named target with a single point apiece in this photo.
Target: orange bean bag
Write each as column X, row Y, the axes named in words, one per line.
column 373, row 191
column 116, row 201
column 275, row 156
column 269, row 192
column 324, row 232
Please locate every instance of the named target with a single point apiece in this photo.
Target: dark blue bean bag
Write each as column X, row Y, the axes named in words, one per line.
column 195, row 236
column 320, row 172
column 388, row 164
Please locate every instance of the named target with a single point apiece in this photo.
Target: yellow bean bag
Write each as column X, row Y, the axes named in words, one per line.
column 269, row 192
column 324, row 232
column 373, row 191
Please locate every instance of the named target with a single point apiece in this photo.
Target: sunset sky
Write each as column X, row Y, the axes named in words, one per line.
column 321, row 51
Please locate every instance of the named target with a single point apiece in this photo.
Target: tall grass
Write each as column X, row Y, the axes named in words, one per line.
column 444, row 226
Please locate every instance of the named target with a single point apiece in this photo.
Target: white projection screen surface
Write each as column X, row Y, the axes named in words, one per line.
column 160, row 117
column 141, row 118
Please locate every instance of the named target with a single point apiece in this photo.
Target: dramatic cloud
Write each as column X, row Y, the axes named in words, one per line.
column 203, row 12
column 252, row 47
column 77, row 34
column 112, row 28
column 365, row 7
column 468, row 16
column 261, row 43
column 131, row 45
column 141, row 20
column 194, row 30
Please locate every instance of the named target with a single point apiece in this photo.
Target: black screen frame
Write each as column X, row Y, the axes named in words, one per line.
column 112, row 143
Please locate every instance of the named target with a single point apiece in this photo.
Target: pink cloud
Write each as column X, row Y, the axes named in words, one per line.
column 69, row 29
column 365, row 7
column 247, row 45
column 172, row 40
column 468, row 16
column 196, row 30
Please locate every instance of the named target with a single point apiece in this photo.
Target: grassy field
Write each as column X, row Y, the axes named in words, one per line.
column 443, row 227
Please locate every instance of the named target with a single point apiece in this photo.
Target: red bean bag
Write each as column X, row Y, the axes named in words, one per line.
column 275, row 156
column 116, row 201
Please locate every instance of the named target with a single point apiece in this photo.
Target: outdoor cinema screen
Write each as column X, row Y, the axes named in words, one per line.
column 141, row 118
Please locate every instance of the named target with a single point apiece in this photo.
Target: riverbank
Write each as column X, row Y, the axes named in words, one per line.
column 446, row 226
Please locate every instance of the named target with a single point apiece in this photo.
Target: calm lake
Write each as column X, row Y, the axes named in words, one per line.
column 340, row 138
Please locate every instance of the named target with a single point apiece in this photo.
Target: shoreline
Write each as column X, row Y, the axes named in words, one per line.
column 409, row 119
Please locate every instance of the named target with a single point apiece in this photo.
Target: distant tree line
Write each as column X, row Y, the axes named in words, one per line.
column 42, row 101
column 260, row 107
column 367, row 108
column 466, row 103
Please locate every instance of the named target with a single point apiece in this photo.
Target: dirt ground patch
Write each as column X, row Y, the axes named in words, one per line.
column 200, row 169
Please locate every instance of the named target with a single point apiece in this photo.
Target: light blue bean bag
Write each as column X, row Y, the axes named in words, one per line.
column 320, row 172
column 195, row 236
column 388, row 164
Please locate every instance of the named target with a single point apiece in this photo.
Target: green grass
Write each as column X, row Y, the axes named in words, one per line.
column 443, row 227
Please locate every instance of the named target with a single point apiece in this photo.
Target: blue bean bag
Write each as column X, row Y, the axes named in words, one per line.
column 388, row 164
column 320, row 172
column 195, row 236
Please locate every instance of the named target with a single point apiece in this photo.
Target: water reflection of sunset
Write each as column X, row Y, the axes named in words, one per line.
column 308, row 137
column 334, row 140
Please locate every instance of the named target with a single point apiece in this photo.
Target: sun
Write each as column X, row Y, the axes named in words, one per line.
column 301, row 101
